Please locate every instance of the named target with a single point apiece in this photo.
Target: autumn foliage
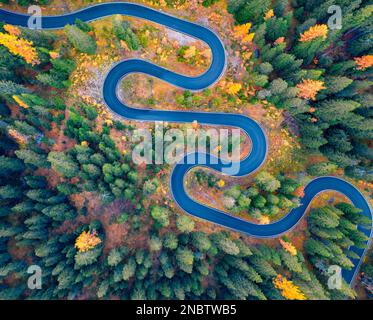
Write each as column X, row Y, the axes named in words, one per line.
column 13, row 30
column 364, row 62
column 318, row 30
column 234, row 88
column 190, row 52
column 269, row 14
column 241, row 33
column 289, row 247
column 87, row 241
column 54, row 55
column 264, row 220
column 18, row 137
column 18, row 100
column 299, row 192
column 308, row 88
column 221, row 183
column 19, row 46
column 279, row 40
column 288, row 289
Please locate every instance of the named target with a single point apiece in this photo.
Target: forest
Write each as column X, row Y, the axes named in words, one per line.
column 320, row 76
column 73, row 202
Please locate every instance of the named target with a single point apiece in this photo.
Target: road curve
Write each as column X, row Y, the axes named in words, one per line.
column 258, row 138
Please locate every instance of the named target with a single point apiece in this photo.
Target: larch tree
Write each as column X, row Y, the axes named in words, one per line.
column 288, row 289
column 308, row 89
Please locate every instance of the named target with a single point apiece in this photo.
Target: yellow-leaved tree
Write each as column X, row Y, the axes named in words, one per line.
column 288, row 289
column 87, row 240
column 241, row 33
column 308, row 88
column 19, row 46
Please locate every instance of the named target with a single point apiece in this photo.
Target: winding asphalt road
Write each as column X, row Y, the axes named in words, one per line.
column 247, row 166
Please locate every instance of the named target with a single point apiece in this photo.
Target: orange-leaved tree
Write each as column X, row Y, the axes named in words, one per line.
column 299, row 192
column 87, row 240
column 54, row 55
column 13, row 30
column 318, row 30
column 364, row 62
column 308, row 88
column 288, row 289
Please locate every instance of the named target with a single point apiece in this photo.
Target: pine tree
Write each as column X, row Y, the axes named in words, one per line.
column 243, row 266
column 184, row 224
column 277, row 27
column 225, row 244
column 327, row 217
column 10, row 192
column 249, row 10
column 129, row 269
column 335, row 84
column 278, row 86
column 262, row 267
column 123, row 31
column 267, row 182
column 63, row 164
column 185, row 259
column 315, row 247
column 84, row 26
column 170, row 241
column 115, row 257
column 155, row 244
column 200, row 241
column 80, row 40
column 10, row 166
column 161, row 216
column 335, row 111
column 322, row 169
column 291, row 262
column 307, row 50
column 286, row 64
column 31, row 157
column 243, row 288
column 9, row 88
column 326, row 233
